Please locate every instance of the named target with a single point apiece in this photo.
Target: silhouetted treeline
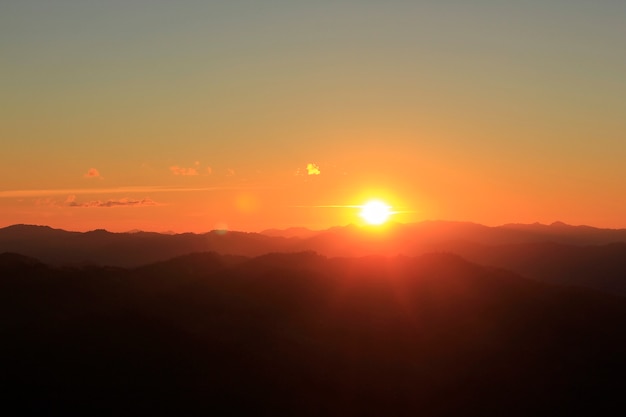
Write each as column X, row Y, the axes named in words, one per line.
column 302, row 334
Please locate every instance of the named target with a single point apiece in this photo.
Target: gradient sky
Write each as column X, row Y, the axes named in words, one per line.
column 194, row 115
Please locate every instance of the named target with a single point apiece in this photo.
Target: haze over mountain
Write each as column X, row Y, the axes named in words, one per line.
column 556, row 253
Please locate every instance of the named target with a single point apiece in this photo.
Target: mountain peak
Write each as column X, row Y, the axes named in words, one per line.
column 559, row 224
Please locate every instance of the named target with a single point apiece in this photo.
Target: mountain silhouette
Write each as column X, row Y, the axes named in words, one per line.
column 298, row 232
column 304, row 334
column 556, row 253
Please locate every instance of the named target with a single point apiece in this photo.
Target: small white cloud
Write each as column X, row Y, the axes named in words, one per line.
column 313, row 169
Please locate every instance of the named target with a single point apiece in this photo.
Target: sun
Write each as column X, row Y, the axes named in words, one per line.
column 375, row 212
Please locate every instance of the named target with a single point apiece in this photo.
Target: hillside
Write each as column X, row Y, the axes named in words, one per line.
column 302, row 334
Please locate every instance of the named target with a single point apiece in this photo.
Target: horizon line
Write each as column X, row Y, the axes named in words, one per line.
column 169, row 232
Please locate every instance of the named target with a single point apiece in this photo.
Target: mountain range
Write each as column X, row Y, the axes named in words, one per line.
column 304, row 334
column 556, row 253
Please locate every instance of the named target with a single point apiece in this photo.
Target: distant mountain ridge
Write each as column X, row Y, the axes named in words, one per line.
column 297, row 232
column 556, row 253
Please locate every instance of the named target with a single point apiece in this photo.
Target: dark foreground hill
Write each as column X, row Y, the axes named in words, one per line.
column 301, row 334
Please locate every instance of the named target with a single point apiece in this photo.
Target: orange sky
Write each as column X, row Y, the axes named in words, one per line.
column 251, row 115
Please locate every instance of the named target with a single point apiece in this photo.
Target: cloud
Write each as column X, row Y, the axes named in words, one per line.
column 122, row 202
column 313, row 169
column 117, row 190
column 191, row 171
column 92, row 173
column 46, row 202
column 176, row 170
column 230, row 172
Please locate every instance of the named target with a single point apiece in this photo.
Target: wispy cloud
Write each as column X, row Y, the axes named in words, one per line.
column 46, row 202
column 195, row 170
column 116, row 190
column 359, row 206
column 176, row 170
column 92, row 173
column 122, row 202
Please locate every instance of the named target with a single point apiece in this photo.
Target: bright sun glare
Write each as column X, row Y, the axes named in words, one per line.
column 375, row 212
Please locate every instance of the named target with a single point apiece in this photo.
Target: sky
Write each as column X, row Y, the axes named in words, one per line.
column 246, row 115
